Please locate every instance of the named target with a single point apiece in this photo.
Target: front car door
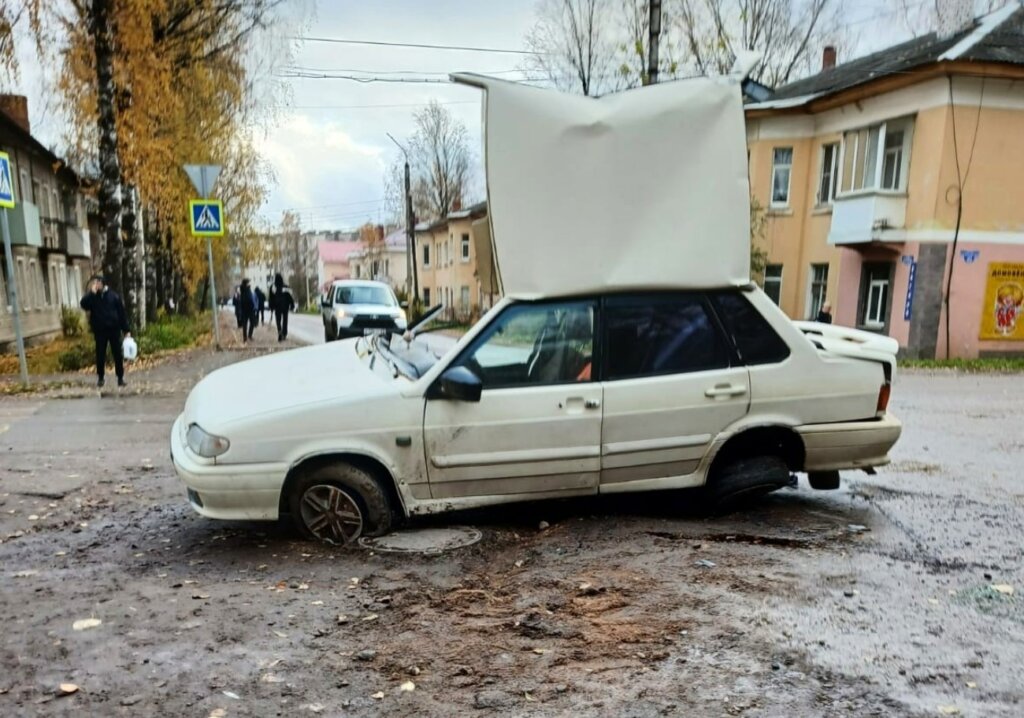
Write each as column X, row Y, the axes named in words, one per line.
column 671, row 384
column 537, row 427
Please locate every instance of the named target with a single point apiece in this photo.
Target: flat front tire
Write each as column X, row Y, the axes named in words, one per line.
column 744, row 480
column 338, row 503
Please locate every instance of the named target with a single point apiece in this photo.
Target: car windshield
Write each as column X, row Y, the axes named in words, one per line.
column 365, row 295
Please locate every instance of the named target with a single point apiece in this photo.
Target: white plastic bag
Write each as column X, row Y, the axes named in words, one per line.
column 130, row 349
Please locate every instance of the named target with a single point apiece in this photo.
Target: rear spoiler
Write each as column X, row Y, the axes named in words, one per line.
column 852, row 343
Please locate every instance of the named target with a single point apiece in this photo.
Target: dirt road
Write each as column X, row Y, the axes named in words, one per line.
column 874, row 600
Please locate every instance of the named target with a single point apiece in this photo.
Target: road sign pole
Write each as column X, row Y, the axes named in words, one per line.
column 213, row 294
column 12, row 293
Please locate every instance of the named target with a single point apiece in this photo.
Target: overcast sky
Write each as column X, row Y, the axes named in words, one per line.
column 329, row 147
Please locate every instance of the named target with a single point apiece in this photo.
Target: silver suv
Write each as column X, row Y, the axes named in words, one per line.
column 352, row 308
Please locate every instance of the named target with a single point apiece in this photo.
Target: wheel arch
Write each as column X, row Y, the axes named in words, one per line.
column 370, row 464
column 774, row 439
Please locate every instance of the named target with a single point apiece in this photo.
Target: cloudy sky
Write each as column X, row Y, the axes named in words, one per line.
column 329, row 147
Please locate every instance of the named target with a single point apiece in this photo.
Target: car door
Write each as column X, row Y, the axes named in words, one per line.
column 671, row 385
column 536, row 429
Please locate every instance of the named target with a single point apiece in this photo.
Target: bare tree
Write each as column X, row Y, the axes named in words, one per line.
column 573, row 44
column 439, row 157
column 788, row 34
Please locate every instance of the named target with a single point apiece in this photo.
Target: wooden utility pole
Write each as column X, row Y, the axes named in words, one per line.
column 412, row 289
column 654, row 34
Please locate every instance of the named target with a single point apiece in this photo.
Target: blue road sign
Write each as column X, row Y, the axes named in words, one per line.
column 207, row 217
column 969, row 255
column 6, row 182
column 908, row 306
column 907, row 259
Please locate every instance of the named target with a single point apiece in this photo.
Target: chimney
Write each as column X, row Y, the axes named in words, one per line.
column 828, row 57
column 953, row 16
column 16, row 107
column 456, row 204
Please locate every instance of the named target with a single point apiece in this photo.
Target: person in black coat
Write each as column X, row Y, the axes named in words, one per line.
column 108, row 320
column 825, row 314
column 281, row 302
column 246, row 310
column 261, row 303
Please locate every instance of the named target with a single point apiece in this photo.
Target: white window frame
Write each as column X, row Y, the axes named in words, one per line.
column 834, row 173
column 904, row 125
column 464, row 248
column 774, row 280
column 877, row 322
column 813, row 305
column 776, row 168
column 426, row 255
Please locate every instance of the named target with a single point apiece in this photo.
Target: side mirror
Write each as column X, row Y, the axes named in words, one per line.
column 458, row 384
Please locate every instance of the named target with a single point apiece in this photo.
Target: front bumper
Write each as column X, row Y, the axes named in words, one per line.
column 227, row 491
column 849, row 444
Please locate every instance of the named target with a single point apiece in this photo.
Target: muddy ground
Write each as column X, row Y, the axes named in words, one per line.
column 873, row 600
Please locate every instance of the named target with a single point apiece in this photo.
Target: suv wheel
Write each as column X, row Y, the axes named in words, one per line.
column 744, row 480
column 339, row 503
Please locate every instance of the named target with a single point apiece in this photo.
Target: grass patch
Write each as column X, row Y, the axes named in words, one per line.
column 71, row 354
column 972, row 366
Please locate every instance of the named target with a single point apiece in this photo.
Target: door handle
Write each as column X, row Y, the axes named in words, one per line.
column 724, row 391
column 592, row 403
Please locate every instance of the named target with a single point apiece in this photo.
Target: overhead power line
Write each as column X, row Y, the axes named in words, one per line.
column 421, row 46
column 363, row 107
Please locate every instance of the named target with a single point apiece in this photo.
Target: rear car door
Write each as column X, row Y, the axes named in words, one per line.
column 537, row 427
column 672, row 384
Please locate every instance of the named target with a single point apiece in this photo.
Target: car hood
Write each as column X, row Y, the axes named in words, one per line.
column 281, row 383
column 372, row 309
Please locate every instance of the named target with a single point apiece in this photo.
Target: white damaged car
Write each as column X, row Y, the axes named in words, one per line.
column 631, row 352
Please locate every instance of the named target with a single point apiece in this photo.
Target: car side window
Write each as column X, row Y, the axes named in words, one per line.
column 755, row 340
column 651, row 335
column 535, row 344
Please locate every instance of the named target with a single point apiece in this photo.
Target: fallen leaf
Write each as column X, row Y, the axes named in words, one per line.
column 280, row 635
column 33, row 517
column 1003, row 588
column 61, row 553
column 26, row 574
column 949, row 710
column 200, row 596
column 86, row 623
column 303, row 586
column 317, row 603
column 933, row 601
column 66, row 689
column 379, row 695
column 407, row 686
column 342, row 618
column 541, row 651
column 270, row 678
column 370, row 617
column 314, row 707
column 972, row 684
column 218, row 713
column 232, row 695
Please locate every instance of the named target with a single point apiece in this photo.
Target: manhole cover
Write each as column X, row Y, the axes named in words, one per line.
column 429, row 541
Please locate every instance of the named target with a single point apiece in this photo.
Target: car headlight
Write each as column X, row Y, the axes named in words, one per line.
column 205, row 444
column 401, row 315
column 339, row 312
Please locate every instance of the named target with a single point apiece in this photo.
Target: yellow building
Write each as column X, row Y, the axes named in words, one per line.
column 447, row 263
column 882, row 176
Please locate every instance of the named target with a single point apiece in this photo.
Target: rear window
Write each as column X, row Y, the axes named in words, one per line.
column 655, row 335
column 755, row 340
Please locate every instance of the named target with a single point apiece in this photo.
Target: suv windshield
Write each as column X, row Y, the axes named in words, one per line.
column 365, row 295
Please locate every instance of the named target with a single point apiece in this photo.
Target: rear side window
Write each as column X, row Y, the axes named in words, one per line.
column 653, row 335
column 755, row 340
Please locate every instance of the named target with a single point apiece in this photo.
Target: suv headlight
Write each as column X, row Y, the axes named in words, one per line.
column 205, row 444
column 339, row 312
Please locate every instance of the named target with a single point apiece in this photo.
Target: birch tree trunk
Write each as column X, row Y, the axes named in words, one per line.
column 110, row 168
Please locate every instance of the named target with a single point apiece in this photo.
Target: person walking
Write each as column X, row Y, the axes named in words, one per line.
column 825, row 314
column 108, row 320
column 261, row 303
column 281, row 302
column 246, row 310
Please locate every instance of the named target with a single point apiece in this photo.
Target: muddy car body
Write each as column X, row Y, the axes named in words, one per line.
column 631, row 352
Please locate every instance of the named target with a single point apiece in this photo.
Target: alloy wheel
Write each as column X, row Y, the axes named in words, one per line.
column 331, row 514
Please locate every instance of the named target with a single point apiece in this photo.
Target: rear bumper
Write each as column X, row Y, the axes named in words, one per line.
column 228, row 491
column 849, row 445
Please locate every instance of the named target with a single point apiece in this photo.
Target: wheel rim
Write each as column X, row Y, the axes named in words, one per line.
column 331, row 514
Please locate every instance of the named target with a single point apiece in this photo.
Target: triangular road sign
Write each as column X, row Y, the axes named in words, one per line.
column 203, row 177
column 6, row 185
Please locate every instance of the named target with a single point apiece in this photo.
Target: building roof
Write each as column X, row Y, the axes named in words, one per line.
column 474, row 210
column 334, row 252
column 996, row 37
column 8, row 126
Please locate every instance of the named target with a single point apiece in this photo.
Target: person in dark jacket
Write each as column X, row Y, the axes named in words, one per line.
column 108, row 320
column 246, row 310
column 825, row 314
column 281, row 302
column 261, row 303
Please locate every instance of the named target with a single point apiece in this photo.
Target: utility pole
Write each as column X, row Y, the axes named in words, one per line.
column 412, row 289
column 654, row 34
column 6, row 203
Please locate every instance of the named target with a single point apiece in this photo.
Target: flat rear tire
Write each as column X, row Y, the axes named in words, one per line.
column 339, row 503
column 743, row 481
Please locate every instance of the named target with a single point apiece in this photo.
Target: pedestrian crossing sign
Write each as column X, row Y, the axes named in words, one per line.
column 207, row 217
column 6, row 182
